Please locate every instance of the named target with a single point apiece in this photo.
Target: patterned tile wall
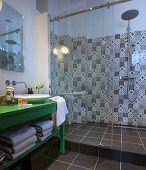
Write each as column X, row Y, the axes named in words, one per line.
column 99, row 67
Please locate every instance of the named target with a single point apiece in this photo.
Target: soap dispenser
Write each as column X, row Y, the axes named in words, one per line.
column 30, row 91
column 10, row 95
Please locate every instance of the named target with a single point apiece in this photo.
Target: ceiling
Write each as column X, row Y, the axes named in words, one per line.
column 61, row 6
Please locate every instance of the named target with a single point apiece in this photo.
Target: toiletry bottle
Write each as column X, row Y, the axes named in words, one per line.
column 31, row 91
column 8, row 98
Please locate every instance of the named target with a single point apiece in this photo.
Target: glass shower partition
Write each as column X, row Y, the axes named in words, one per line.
column 69, row 69
column 83, row 74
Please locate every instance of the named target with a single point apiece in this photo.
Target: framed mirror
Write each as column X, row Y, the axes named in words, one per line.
column 11, row 39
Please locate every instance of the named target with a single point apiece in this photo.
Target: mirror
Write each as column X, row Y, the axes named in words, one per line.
column 11, row 39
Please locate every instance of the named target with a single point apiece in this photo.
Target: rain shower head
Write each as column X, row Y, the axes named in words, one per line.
column 130, row 14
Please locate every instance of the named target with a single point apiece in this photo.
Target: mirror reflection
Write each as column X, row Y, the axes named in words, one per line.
column 11, row 39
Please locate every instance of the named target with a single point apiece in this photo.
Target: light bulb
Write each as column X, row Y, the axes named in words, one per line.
column 55, row 51
column 64, row 50
column 1, row 4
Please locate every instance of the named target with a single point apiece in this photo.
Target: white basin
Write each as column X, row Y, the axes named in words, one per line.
column 33, row 98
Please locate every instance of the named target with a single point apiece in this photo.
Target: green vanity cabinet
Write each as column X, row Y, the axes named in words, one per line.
column 16, row 115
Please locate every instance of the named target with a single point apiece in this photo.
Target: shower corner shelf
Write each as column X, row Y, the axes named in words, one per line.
column 127, row 78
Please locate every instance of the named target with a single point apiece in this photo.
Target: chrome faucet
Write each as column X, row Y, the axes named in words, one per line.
column 19, row 82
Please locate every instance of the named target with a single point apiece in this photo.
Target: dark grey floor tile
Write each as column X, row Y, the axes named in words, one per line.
column 130, row 139
column 73, row 167
column 114, row 130
column 125, row 166
column 101, row 125
column 69, row 130
column 112, row 137
column 86, row 161
column 95, row 135
column 84, row 127
column 129, row 133
column 74, row 138
column 144, row 141
column 99, row 129
column 129, row 128
column 104, row 164
column 79, row 132
column 141, row 129
column 90, row 124
column 68, row 157
column 74, row 125
column 133, row 148
column 111, row 144
column 91, row 141
column 58, row 166
column 142, row 134
column 72, row 146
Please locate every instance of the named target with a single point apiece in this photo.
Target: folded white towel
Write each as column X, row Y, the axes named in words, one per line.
column 44, row 125
column 19, row 147
column 16, row 155
column 44, row 137
column 61, row 109
column 44, row 133
column 14, row 137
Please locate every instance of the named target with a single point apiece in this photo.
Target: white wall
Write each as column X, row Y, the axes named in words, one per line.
column 41, row 44
column 102, row 21
column 28, row 9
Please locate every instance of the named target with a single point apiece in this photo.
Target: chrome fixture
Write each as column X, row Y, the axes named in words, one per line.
column 11, row 32
column 85, row 9
column 12, row 42
column 19, row 82
column 128, row 16
column 7, row 82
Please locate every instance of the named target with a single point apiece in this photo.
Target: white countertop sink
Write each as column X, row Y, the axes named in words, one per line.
column 33, row 98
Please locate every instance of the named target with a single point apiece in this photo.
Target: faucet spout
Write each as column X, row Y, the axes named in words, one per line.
column 19, row 82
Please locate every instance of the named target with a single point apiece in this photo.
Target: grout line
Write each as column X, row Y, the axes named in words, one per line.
column 73, row 130
column 107, row 134
column 73, row 164
column 73, row 161
column 96, row 161
column 141, row 141
column 121, row 152
column 103, row 135
column 62, row 161
column 87, row 133
column 120, row 165
column 81, row 167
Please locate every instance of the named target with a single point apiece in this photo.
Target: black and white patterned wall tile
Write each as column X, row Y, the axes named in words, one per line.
column 98, row 67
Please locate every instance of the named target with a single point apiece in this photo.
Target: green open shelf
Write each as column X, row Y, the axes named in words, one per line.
column 38, row 144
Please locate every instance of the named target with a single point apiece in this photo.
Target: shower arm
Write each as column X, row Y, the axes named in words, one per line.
column 128, row 32
column 83, row 10
column 11, row 32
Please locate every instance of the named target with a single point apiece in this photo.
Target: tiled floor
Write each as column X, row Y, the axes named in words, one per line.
column 77, row 161
column 123, row 138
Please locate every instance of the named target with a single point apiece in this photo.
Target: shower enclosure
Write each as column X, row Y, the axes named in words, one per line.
column 100, row 74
